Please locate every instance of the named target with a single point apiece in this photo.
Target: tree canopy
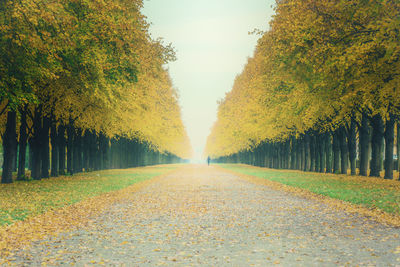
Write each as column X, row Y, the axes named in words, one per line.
column 321, row 64
column 90, row 63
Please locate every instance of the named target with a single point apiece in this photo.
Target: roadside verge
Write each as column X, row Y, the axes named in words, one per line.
column 20, row 234
column 372, row 212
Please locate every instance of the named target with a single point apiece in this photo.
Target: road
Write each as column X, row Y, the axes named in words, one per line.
column 205, row 216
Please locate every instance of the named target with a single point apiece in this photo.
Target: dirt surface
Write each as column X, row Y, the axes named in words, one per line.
column 204, row 216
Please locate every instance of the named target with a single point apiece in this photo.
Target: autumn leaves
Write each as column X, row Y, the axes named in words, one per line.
column 323, row 79
column 84, row 76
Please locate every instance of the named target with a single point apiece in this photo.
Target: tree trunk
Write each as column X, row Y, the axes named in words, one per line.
column 36, row 145
column 322, row 155
column 77, row 151
column 306, row 141
column 287, row 154
column 23, row 137
column 97, row 156
column 302, row 154
column 298, row 154
column 293, row 154
column 45, row 153
column 137, row 155
column 389, row 142
column 54, row 150
column 86, row 150
column 364, row 132
column 61, row 149
column 336, row 152
column 273, row 156
column 328, row 152
column 272, row 147
column 279, row 155
column 254, row 152
column 15, row 160
column 122, row 158
column 317, row 153
column 398, row 149
column 283, row 155
column 352, row 146
column 262, row 155
column 344, row 151
column 381, row 167
column 9, row 147
column 376, row 144
column 92, row 151
column 30, row 153
column 312, row 153
column 70, row 145
column 105, row 147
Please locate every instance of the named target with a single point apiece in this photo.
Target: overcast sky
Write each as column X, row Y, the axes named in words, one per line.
column 212, row 44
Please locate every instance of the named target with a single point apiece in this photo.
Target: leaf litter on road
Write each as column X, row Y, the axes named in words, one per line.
column 201, row 215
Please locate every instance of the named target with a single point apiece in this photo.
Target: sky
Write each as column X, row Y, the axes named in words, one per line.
column 212, row 43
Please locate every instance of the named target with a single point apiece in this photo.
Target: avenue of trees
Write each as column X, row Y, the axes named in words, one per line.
column 321, row 92
column 83, row 86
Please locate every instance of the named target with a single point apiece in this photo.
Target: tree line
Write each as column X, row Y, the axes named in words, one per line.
column 85, row 87
column 321, row 92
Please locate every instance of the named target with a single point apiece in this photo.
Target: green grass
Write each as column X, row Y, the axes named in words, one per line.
column 22, row 199
column 365, row 191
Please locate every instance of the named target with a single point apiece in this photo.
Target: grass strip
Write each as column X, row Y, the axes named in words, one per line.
column 372, row 193
column 21, row 234
column 29, row 198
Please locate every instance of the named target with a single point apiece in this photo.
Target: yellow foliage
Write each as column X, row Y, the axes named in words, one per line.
column 320, row 64
column 102, row 69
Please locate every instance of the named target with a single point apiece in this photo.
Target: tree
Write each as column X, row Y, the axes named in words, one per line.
column 325, row 66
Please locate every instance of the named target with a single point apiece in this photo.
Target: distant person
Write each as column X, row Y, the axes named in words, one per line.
column 208, row 160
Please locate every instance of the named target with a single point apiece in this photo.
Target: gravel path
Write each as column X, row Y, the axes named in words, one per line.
column 203, row 216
